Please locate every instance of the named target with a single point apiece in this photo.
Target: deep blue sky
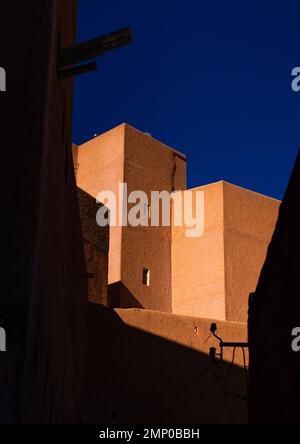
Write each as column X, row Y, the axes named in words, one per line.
column 211, row 79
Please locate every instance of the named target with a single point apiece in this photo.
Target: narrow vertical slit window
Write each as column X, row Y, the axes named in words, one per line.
column 146, row 277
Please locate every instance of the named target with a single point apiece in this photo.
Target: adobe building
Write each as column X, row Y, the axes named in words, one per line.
column 209, row 276
column 89, row 339
column 125, row 155
column 213, row 275
column 164, row 322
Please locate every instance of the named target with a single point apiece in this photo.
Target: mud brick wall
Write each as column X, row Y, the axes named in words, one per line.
column 96, row 241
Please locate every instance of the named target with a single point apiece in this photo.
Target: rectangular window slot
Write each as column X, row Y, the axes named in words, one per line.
column 146, row 277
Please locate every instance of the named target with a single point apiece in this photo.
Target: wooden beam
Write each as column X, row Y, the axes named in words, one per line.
column 77, row 70
column 94, row 48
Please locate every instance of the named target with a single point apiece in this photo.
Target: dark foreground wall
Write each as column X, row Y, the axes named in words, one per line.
column 274, row 311
column 42, row 305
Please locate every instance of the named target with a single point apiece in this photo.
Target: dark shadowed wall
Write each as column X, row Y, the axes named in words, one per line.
column 96, row 243
column 43, row 371
column 273, row 313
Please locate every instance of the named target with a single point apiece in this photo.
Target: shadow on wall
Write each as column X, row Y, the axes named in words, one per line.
column 273, row 314
column 138, row 378
column 120, row 297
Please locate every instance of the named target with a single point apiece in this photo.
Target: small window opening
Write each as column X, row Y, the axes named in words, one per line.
column 146, row 277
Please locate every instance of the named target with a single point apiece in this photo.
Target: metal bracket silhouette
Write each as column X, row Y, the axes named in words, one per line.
column 213, row 351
